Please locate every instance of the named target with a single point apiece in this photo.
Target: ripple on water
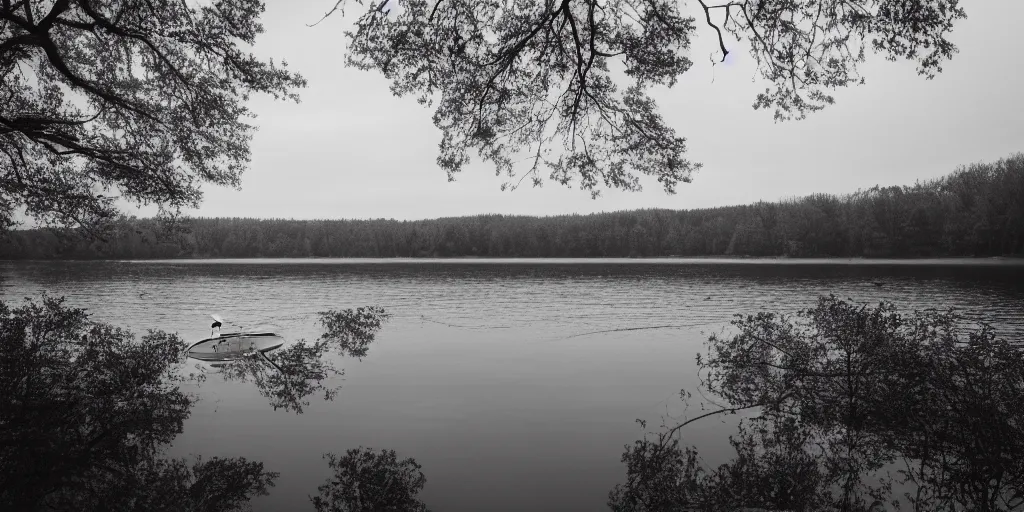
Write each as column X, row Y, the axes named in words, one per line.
column 486, row 358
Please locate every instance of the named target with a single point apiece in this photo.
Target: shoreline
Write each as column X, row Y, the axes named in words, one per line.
column 724, row 260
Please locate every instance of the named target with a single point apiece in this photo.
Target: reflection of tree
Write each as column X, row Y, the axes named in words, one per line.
column 351, row 331
column 771, row 471
column 852, row 400
column 366, row 480
column 85, row 410
column 963, row 444
column 222, row 485
column 287, row 377
column 845, row 392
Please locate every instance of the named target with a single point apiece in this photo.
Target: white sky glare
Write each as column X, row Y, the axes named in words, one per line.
column 351, row 149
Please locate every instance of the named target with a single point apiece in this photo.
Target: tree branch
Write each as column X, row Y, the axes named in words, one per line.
column 707, row 16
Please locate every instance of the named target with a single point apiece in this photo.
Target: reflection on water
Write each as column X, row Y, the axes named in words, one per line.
column 858, row 409
column 87, row 412
column 515, row 385
column 843, row 391
column 366, row 479
column 288, row 376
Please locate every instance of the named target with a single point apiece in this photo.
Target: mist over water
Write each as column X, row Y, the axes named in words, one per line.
column 514, row 383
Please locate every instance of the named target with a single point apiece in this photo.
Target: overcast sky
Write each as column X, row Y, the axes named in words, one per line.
column 352, row 150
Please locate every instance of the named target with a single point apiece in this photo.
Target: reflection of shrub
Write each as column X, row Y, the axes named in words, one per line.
column 660, row 476
column 963, row 440
column 287, row 377
column 845, row 390
column 772, row 471
column 215, row 485
column 352, row 330
column 370, row 481
column 85, row 410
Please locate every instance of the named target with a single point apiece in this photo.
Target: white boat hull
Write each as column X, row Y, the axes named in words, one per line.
column 231, row 346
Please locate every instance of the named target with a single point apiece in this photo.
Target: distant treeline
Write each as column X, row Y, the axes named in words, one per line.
column 976, row 211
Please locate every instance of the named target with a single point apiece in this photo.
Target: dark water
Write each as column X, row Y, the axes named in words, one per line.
column 514, row 383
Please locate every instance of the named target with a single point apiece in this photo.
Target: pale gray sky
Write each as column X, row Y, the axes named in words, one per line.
column 352, row 150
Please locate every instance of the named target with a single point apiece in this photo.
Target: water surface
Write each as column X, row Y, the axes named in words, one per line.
column 515, row 383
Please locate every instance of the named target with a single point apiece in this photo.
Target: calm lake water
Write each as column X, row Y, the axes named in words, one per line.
column 514, row 383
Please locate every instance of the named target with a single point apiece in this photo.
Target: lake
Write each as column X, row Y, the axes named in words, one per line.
column 514, row 383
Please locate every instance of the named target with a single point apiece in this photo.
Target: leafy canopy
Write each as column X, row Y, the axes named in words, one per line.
column 513, row 78
column 142, row 100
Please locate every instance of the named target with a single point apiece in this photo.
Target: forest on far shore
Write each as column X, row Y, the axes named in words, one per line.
column 976, row 211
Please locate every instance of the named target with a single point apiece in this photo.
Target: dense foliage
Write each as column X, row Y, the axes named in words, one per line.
column 132, row 99
column 563, row 85
column 976, row 211
column 854, row 402
column 367, row 480
column 87, row 410
column 858, row 407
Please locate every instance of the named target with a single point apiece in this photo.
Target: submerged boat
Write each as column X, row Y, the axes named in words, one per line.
column 233, row 345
